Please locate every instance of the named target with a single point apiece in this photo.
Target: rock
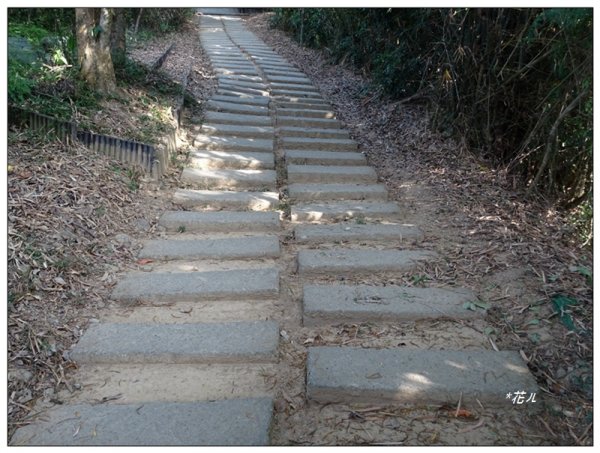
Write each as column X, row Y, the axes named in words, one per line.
column 123, row 239
column 142, row 225
column 25, row 397
column 20, row 375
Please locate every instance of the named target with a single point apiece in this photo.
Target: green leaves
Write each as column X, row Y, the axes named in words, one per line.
column 475, row 304
column 561, row 304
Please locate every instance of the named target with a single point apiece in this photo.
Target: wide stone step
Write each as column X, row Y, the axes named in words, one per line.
column 330, row 174
column 334, row 304
column 233, row 107
column 236, row 130
column 295, row 103
column 301, row 86
column 306, row 113
column 322, row 144
column 216, row 143
column 351, row 261
column 231, row 248
column 178, row 343
column 233, row 118
column 346, row 231
column 226, row 221
column 387, row 376
column 290, row 79
column 301, row 94
column 310, row 157
column 217, row 199
column 235, row 81
column 228, row 422
column 245, row 100
column 237, row 90
column 220, row 179
column 231, row 159
column 241, row 70
column 166, row 287
column 312, row 212
column 313, row 132
column 312, row 192
column 304, row 122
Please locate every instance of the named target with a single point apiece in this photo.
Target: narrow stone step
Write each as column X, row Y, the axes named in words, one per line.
column 351, row 261
column 216, row 199
column 291, row 79
column 330, row 174
column 300, row 86
column 241, row 78
column 228, row 422
column 306, row 113
column 334, row 304
column 245, row 99
column 231, row 160
column 236, row 130
column 229, row 179
column 241, row 70
column 233, row 118
column 165, row 287
column 235, row 89
column 311, row 212
column 303, row 121
column 215, row 143
column 346, row 231
column 317, row 104
column 310, row 157
column 313, row 132
column 322, row 144
column 301, row 94
column 231, row 248
column 233, row 107
column 316, row 192
column 283, row 73
column 226, row 221
column 178, row 343
column 385, row 376
column 225, row 80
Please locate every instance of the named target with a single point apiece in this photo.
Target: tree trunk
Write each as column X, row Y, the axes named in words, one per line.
column 117, row 37
column 137, row 21
column 93, row 47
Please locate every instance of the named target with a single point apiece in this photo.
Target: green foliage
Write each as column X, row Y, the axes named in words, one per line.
column 160, row 20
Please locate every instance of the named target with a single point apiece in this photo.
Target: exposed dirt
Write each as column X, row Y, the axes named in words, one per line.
column 516, row 254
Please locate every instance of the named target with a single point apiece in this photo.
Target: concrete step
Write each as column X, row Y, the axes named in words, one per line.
column 307, row 122
column 229, row 80
column 300, row 94
column 236, row 130
column 233, row 118
column 243, row 100
column 229, row 342
column 216, row 200
column 347, row 231
column 313, row 132
column 316, row 192
column 231, row 248
column 335, row 304
column 300, row 86
column 330, row 174
column 229, row 179
column 289, row 79
column 306, row 113
column 229, row 422
column 239, row 70
column 322, row 144
column 227, row 143
column 352, row 261
column 231, row 160
column 295, row 103
column 310, row 157
column 312, row 212
column 423, row 377
column 235, row 89
column 168, row 287
column 226, row 221
column 234, row 107
column 241, row 78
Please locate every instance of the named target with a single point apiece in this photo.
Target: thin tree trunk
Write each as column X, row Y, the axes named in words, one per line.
column 137, row 21
column 117, row 38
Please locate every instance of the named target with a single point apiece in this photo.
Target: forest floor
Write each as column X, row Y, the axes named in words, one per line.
column 520, row 256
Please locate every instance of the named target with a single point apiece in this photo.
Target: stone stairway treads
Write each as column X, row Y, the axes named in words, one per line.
column 233, row 118
column 236, row 107
column 225, row 143
column 231, row 160
column 362, row 262
column 347, row 231
column 219, row 199
column 322, row 144
column 312, row 157
column 313, row 132
column 229, row 248
column 235, row 130
column 228, row 422
column 168, row 287
column 178, row 343
column 386, row 376
column 306, row 113
column 343, row 210
column 225, row 221
column 225, row 178
column 243, row 100
column 334, row 304
column 318, row 192
column 330, row 174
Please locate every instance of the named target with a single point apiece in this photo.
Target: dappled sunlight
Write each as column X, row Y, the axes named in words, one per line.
column 455, row 365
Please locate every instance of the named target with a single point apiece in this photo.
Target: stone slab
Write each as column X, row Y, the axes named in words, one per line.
column 234, row 118
column 321, row 144
column 207, row 248
column 217, row 199
column 232, row 88
column 225, row 221
column 316, row 192
column 236, row 130
column 352, row 261
column 301, row 86
column 306, row 113
column 231, row 160
column 216, row 143
column 290, row 79
column 334, row 304
column 311, row 157
column 382, row 376
column 220, row 423
column 244, row 99
column 317, row 104
column 312, row 212
column 306, row 95
column 165, row 287
column 225, row 80
column 234, row 107
column 321, row 123
column 313, row 132
column 330, row 174
column 254, row 341
column 241, row 78
column 241, row 71
column 347, row 231
column 230, row 179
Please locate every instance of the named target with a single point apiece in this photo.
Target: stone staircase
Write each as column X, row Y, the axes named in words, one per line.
column 163, row 374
